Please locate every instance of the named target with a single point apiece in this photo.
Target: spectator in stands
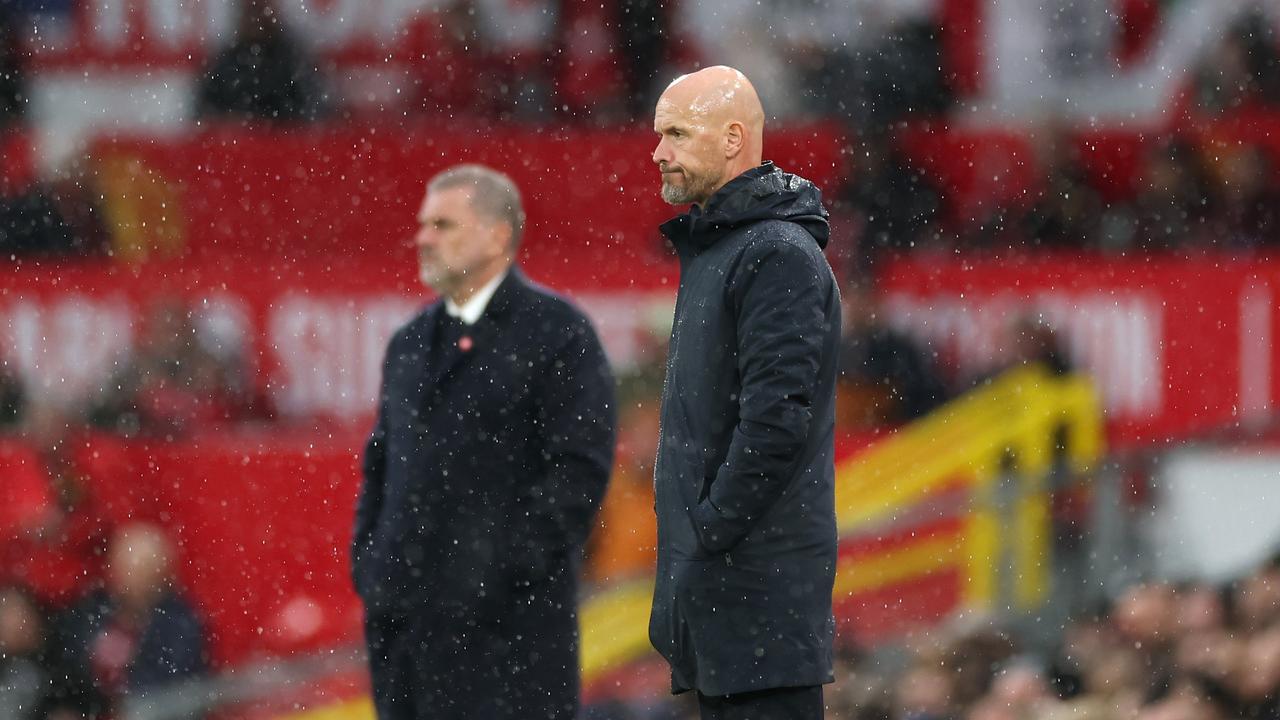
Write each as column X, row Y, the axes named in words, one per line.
column 1245, row 201
column 924, row 692
column 13, row 397
column 644, row 31
column 138, row 635
column 896, row 78
column 263, row 75
column 443, row 64
column 1243, row 71
column 57, row 552
column 63, row 216
column 13, row 101
column 895, row 204
column 27, row 680
column 516, row 40
column 1068, row 212
column 1172, row 208
column 176, row 383
column 1257, row 599
column 1018, row 690
column 1035, row 341
column 886, row 378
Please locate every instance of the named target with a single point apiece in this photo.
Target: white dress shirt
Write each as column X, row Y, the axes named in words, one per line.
column 471, row 310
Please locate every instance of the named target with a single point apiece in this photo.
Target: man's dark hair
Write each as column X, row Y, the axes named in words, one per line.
column 493, row 194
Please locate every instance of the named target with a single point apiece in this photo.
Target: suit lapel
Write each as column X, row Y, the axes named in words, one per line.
column 483, row 334
column 427, row 374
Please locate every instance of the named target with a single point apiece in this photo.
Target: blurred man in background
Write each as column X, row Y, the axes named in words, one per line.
column 886, row 378
column 263, row 75
column 745, row 472
column 27, row 686
column 490, row 454
column 140, row 634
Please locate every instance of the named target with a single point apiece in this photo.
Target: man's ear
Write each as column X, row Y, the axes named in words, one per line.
column 503, row 234
column 734, row 139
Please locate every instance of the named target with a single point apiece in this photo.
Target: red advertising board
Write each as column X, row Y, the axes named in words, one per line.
column 1178, row 346
column 294, row 245
column 293, row 248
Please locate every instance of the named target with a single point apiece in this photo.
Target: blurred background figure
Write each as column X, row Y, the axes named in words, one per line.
column 181, row 378
column 139, row 634
column 1035, row 341
column 1242, row 71
column 54, row 544
column 886, row 379
column 13, row 398
column 263, row 75
column 27, row 679
column 1173, row 204
column 13, row 80
column 895, row 206
column 63, row 216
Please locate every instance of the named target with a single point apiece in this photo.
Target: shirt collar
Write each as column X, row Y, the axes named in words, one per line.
column 470, row 311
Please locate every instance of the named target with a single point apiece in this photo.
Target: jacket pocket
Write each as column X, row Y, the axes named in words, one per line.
column 678, row 482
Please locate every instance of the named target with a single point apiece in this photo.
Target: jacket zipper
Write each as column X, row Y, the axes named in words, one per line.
column 728, row 560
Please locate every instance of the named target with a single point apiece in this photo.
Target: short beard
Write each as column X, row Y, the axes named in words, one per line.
column 695, row 190
column 434, row 280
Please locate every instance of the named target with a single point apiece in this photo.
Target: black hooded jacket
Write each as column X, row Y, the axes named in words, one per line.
column 745, row 470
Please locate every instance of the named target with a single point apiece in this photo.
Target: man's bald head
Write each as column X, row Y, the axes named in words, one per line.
column 712, row 129
column 721, row 95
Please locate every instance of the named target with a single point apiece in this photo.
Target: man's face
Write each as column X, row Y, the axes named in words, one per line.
column 137, row 567
column 689, row 153
column 454, row 242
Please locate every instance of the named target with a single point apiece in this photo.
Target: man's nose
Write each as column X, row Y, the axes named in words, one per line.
column 424, row 238
column 662, row 153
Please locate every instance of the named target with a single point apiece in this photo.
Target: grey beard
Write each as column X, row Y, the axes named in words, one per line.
column 674, row 195
column 695, row 190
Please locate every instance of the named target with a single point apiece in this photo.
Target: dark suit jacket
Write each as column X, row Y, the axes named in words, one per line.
column 482, row 474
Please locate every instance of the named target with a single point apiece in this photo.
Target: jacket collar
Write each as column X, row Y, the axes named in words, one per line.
column 700, row 228
column 505, row 297
column 470, row 311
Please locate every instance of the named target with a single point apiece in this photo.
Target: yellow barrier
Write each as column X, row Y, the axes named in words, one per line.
column 1010, row 424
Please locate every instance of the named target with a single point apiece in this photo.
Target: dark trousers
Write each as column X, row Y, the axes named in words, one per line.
column 460, row 670
column 803, row 703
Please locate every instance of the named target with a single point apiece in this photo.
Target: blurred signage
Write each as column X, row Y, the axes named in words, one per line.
column 313, row 344
column 182, row 33
column 1177, row 347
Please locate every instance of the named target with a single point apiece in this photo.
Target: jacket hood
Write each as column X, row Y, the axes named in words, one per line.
column 761, row 193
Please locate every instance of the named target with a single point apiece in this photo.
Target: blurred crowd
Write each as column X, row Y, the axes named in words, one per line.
column 121, row 628
column 1193, row 651
column 184, row 374
column 568, row 62
column 1190, row 192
